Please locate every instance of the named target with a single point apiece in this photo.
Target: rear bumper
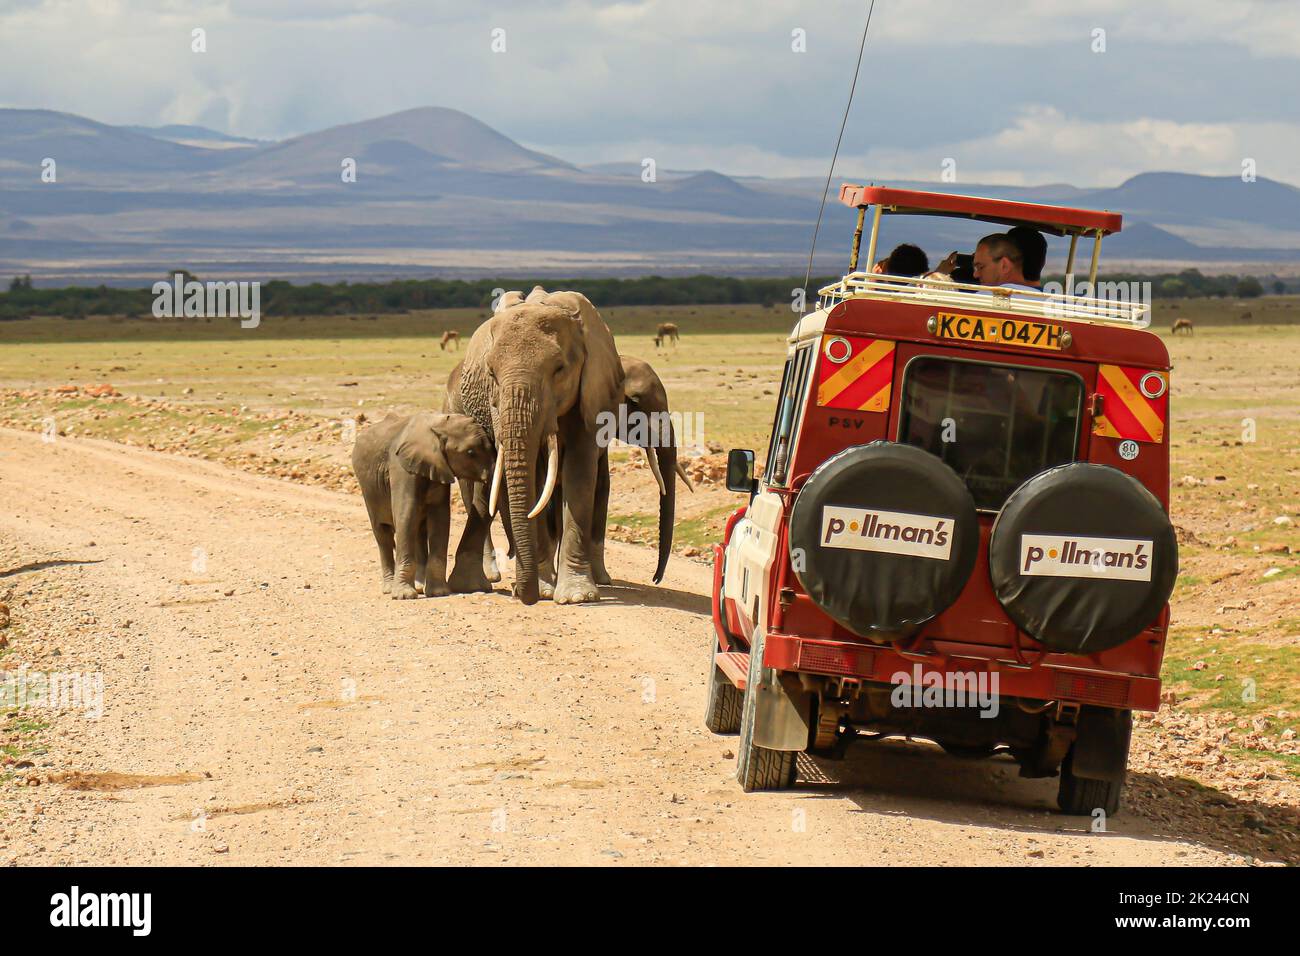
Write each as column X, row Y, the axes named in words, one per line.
column 1045, row 677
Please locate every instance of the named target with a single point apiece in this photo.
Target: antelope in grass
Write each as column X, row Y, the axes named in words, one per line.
column 665, row 332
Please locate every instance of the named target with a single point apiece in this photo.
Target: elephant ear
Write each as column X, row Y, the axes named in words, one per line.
column 601, row 385
column 642, row 385
column 508, row 300
column 453, row 386
column 419, row 449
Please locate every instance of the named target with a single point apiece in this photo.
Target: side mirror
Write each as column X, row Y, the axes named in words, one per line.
column 740, row 470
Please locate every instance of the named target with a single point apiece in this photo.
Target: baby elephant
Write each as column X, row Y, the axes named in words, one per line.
column 405, row 465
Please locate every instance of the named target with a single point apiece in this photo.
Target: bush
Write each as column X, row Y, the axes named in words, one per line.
column 342, row 298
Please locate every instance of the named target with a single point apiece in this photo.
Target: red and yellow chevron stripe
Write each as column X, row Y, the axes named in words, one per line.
column 1127, row 408
column 855, row 373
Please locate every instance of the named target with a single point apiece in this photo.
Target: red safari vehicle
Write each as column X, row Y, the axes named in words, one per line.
column 961, row 530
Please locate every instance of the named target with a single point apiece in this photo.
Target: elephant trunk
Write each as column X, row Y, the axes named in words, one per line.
column 667, row 455
column 519, row 433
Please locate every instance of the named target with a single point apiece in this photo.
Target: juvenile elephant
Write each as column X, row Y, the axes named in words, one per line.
column 538, row 376
column 405, row 465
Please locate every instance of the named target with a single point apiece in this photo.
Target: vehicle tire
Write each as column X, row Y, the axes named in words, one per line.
column 722, row 715
column 758, row 768
column 1080, row 796
column 1083, row 558
column 888, row 536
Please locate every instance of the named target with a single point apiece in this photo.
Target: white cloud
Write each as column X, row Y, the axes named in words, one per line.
column 1260, row 27
column 703, row 84
column 1040, row 146
column 1043, row 145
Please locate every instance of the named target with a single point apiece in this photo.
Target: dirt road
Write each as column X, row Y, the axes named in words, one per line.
column 245, row 647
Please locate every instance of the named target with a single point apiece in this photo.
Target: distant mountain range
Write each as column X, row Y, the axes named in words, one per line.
column 438, row 192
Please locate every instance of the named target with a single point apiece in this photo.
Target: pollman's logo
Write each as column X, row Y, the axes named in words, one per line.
column 892, row 532
column 1119, row 559
column 75, row 908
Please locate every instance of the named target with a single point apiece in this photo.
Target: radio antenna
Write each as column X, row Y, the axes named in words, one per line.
column 830, row 173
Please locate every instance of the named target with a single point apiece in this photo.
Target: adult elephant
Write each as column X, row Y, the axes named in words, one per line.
column 647, row 425
column 644, row 423
column 541, row 373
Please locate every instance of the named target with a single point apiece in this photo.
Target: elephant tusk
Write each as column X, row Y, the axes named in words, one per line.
column 552, row 473
column 496, row 480
column 654, row 466
column 685, row 477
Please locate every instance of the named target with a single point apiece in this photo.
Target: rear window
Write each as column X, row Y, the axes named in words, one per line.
column 995, row 425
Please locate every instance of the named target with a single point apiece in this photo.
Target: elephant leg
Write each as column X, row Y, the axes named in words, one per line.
column 510, row 536
column 544, row 535
column 573, row 582
column 408, row 522
column 377, row 504
column 438, row 521
column 422, row 550
column 599, row 518
column 491, row 570
column 467, row 576
column 546, row 575
column 384, row 538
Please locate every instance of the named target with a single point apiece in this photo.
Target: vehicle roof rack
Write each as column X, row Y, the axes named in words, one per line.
column 1058, row 220
column 1032, row 303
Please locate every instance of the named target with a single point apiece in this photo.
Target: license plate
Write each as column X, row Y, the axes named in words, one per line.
column 975, row 328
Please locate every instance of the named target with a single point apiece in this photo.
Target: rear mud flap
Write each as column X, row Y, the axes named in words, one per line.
column 1101, row 746
column 781, row 712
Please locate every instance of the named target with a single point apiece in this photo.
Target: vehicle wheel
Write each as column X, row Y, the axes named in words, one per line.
column 722, row 715
column 758, row 768
column 1080, row 796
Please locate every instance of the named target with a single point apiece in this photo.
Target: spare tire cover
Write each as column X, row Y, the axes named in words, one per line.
column 1083, row 557
column 883, row 537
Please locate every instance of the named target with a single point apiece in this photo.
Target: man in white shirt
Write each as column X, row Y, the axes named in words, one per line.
column 999, row 262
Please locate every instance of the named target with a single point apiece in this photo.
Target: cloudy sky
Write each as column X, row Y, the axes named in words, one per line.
column 1011, row 97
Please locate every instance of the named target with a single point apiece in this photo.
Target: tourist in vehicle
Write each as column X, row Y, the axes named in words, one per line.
column 1033, row 250
column 906, row 260
column 957, row 267
column 999, row 262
